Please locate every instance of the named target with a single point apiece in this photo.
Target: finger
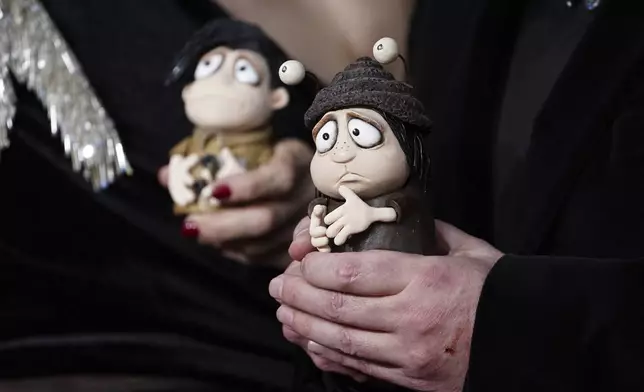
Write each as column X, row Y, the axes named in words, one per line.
column 334, row 215
column 346, row 193
column 342, row 236
column 375, row 346
column 450, row 237
column 360, row 365
column 301, row 245
column 319, row 242
column 294, row 337
column 333, row 367
column 301, row 228
column 190, row 161
column 314, row 224
column 163, row 175
column 319, row 231
column 240, row 223
column 294, row 268
column 187, row 180
column 274, row 179
column 319, row 211
column 335, row 228
column 371, row 273
column 298, row 250
column 366, row 313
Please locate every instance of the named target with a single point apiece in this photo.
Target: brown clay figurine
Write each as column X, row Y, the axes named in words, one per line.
column 231, row 99
column 370, row 168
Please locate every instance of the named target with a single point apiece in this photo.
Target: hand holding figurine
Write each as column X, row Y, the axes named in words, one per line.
column 262, row 207
column 370, row 170
column 317, row 229
column 231, row 95
column 180, row 179
column 354, row 216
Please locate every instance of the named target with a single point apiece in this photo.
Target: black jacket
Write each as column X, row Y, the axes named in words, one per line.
column 561, row 312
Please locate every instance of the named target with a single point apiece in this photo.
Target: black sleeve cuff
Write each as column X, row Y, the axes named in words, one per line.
column 530, row 326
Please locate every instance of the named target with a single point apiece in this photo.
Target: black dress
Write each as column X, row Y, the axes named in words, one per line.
column 104, row 283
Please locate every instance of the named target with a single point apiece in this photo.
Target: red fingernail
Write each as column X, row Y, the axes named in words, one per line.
column 190, row 230
column 221, row 192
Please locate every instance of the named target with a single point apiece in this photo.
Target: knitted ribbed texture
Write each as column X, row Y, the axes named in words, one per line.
column 365, row 83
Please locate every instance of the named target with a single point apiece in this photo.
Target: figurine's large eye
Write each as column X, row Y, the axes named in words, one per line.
column 364, row 134
column 327, row 136
column 208, row 66
column 245, row 73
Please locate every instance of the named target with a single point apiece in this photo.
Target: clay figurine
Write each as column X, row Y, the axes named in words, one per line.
column 370, row 167
column 231, row 98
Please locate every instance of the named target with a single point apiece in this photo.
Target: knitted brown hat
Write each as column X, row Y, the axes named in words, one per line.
column 365, row 83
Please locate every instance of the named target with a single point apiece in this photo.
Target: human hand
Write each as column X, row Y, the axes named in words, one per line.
column 352, row 217
column 179, row 179
column 262, row 207
column 317, row 230
column 406, row 319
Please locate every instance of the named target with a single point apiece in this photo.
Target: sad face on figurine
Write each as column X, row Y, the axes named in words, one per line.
column 370, row 167
column 231, row 98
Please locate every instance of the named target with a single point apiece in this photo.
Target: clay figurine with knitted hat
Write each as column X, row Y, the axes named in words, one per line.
column 371, row 167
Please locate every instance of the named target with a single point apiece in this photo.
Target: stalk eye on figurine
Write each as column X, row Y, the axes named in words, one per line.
column 231, row 99
column 370, row 168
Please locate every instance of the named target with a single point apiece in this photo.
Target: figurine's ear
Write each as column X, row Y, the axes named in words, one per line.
column 279, row 98
column 185, row 90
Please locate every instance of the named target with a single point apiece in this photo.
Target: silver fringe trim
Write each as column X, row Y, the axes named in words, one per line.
column 33, row 50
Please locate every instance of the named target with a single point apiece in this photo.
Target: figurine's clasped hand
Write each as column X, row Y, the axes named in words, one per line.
column 317, row 230
column 180, row 180
column 353, row 217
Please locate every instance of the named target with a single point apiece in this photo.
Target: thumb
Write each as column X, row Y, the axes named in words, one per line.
column 301, row 245
column 274, row 179
column 163, row 176
column 451, row 239
column 347, row 193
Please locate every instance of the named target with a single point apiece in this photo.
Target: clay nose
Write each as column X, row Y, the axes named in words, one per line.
column 343, row 153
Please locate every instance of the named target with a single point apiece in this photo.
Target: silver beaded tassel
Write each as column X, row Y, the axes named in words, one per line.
column 7, row 97
column 36, row 54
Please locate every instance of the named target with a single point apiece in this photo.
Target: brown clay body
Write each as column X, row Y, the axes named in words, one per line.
column 412, row 232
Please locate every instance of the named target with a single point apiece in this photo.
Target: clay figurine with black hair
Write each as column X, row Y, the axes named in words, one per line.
column 371, row 169
column 231, row 95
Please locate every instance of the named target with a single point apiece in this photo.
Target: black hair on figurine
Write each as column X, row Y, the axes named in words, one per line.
column 233, row 34
column 236, row 34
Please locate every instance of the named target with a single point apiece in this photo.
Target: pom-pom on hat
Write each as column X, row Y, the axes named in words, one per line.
column 364, row 83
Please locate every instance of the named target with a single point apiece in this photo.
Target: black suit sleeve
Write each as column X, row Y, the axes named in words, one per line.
column 559, row 324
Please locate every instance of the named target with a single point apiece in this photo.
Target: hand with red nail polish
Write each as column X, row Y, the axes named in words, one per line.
column 190, row 230
column 222, row 192
column 262, row 208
